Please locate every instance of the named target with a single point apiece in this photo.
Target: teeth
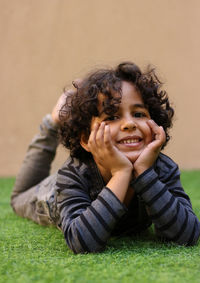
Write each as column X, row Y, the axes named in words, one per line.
column 129, row 141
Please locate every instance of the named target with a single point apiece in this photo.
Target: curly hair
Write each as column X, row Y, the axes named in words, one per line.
column 77, row 113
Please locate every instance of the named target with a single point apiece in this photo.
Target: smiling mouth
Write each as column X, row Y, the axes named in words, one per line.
column 130, row 141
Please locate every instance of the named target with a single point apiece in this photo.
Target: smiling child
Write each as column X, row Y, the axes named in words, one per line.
column 116, row 180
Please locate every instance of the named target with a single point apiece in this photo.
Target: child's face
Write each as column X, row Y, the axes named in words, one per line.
column 129, row 131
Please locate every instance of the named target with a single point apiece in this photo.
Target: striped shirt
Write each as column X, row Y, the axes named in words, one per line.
column 90, row 212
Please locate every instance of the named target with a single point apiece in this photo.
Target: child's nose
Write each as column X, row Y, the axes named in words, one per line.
column 128, row 124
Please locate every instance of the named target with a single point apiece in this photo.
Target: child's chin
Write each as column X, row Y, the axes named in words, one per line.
column 133, row 156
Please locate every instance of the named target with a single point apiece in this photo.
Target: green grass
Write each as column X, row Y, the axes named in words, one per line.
column 32, row 253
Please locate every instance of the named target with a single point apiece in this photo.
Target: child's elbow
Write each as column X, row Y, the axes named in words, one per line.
column 76, row 249
column 184, row 239
column 186, row 242
column 78, row 245
column 194, row 237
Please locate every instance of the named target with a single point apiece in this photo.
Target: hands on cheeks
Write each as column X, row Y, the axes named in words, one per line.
column 108, row 156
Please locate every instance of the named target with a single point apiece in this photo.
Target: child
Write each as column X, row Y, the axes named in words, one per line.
column 116, row 181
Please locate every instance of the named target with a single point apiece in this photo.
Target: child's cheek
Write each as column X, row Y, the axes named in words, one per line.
column 113, row 133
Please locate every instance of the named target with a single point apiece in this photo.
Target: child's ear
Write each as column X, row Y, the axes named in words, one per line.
column 84, row 142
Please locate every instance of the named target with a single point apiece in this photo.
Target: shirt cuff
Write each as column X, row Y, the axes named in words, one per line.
column 144, row 180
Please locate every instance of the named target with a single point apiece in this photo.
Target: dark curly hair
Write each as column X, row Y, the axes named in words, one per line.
column 80, row 107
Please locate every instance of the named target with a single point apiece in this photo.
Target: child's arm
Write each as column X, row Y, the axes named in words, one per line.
column 87, row 225
column 167, row 204
column 110, row 161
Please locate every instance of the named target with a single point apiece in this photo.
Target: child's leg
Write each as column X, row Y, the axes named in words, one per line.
column 33, row 190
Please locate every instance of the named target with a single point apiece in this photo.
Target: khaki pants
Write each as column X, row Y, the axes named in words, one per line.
column 33, row 195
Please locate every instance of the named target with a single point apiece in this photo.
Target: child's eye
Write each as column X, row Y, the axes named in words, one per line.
column 139, row 114
column 111, row 118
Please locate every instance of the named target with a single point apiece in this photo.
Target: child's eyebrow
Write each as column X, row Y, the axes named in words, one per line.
column 139, row 105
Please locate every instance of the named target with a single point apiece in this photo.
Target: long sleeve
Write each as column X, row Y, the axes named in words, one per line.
column 167, row 204
column 86, row 224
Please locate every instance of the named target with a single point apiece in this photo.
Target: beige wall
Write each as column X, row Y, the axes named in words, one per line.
column 45, row 44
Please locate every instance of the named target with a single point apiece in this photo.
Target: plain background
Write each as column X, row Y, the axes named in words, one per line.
column 45, row 44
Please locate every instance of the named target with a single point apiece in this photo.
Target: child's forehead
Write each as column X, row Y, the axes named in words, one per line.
column 102, row 98
column 128, row 92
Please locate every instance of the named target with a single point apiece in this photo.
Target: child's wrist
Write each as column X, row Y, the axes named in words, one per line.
column 139, row 171
column 122, row 173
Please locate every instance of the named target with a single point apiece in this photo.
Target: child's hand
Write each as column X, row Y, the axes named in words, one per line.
column 151, row 152
column 105, row 154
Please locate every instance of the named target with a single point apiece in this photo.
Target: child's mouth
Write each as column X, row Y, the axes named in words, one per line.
column 130, row 141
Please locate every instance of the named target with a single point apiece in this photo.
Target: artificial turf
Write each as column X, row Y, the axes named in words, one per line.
column 32, row 253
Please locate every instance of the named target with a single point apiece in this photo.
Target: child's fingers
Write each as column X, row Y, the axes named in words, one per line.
column 162, row 135
column 100, row 135
column 107, row 137
column 158, row 133
column 92, row 137
column 154, row 127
